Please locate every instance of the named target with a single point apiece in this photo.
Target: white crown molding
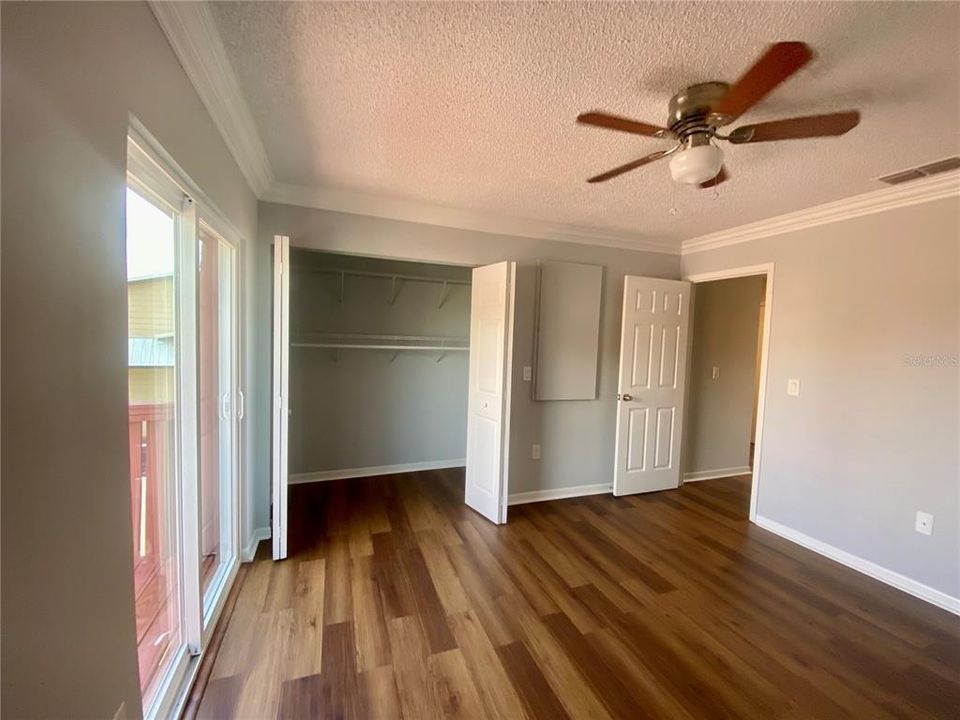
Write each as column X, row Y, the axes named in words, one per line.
column 357, row 203
column 912, row 193
column 193, row 35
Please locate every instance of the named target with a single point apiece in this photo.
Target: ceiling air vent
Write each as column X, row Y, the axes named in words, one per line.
column 940, row 166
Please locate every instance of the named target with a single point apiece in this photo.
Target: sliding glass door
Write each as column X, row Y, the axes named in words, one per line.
column 152, row 236
column 217, row 368
column 183, row 362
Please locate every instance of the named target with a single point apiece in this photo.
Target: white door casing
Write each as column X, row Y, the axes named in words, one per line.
column 488, row 405
column 281, row 387
column 653, row 356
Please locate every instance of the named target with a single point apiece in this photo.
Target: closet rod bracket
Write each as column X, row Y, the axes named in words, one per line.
column 444, row 292
column 394, row 289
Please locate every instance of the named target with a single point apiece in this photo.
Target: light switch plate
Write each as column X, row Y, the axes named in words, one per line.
column 535, row 452
column 793, row 387
column 527, row 373
column 924, row 523
column 716, row 372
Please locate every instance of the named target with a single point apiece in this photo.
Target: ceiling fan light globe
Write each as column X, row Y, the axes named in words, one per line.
column 696, row 165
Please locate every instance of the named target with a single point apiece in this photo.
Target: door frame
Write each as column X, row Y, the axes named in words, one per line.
column 767, row 270
column 280, row 401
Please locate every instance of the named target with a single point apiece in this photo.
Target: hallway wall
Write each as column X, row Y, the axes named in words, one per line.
column 720, row 410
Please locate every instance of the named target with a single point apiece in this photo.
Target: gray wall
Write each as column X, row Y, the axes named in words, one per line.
column 720, row 414
column 873, row 436
column 368, row 408
column 577, row 437
column 71, row 74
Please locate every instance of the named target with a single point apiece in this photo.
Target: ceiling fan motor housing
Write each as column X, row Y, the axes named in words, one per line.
column 693, row 122
column 691, row 110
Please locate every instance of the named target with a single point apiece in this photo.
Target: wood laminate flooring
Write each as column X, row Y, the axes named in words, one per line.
column 399, row 602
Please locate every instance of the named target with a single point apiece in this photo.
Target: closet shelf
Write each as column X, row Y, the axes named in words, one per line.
column 364, row 341
column 395, row 279
column 388, row 276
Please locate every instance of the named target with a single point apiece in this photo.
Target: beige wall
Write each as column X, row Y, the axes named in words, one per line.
column 577, row 437
column 72, row 74
column 720, row 410
column 873, row 436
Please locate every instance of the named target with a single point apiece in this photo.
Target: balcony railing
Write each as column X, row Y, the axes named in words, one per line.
column 151, row 438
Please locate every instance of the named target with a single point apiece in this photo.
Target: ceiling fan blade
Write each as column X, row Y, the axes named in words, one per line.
column 630, row 166
column 614, row 122
column 797, row 128
column 780, row 61
column 722, row 176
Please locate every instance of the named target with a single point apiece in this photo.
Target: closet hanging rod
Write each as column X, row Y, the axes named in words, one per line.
column 344, row 346
column 385, row 275
column 304, row 336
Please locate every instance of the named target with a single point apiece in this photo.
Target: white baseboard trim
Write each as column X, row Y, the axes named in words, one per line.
column 256, row 537
column 559, row 493
column 323, row 475
column 714, row 474
column 894, row 579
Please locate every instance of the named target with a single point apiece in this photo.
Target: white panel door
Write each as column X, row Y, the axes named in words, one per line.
column 281, row 387
column 653, row 345
column 491, row 335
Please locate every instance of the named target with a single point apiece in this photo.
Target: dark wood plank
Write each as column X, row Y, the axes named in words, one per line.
column 335, row 692
column 608, row 684
column 219, row 699
column 535, row 692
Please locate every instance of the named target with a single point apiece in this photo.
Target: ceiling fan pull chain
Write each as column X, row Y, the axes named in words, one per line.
column 715, row 194
column 674, row 211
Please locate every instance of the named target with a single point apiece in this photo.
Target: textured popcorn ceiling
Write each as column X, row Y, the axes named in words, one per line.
column 472, row 106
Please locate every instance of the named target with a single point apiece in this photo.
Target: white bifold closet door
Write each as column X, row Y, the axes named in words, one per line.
column 281, row 389
column 653, row 356
column 488, row 404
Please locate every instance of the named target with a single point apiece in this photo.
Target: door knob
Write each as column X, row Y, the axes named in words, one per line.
column 625, row 398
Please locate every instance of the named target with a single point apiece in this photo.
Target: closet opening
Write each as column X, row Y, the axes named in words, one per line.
column 378, row 373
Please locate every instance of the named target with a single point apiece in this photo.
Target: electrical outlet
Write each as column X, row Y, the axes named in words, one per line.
column 924, row 524
column 793, row 387
column 535, row 452
column 716, row 372
column 527, row 373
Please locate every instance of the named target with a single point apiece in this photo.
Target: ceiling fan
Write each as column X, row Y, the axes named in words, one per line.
column 697, row 113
